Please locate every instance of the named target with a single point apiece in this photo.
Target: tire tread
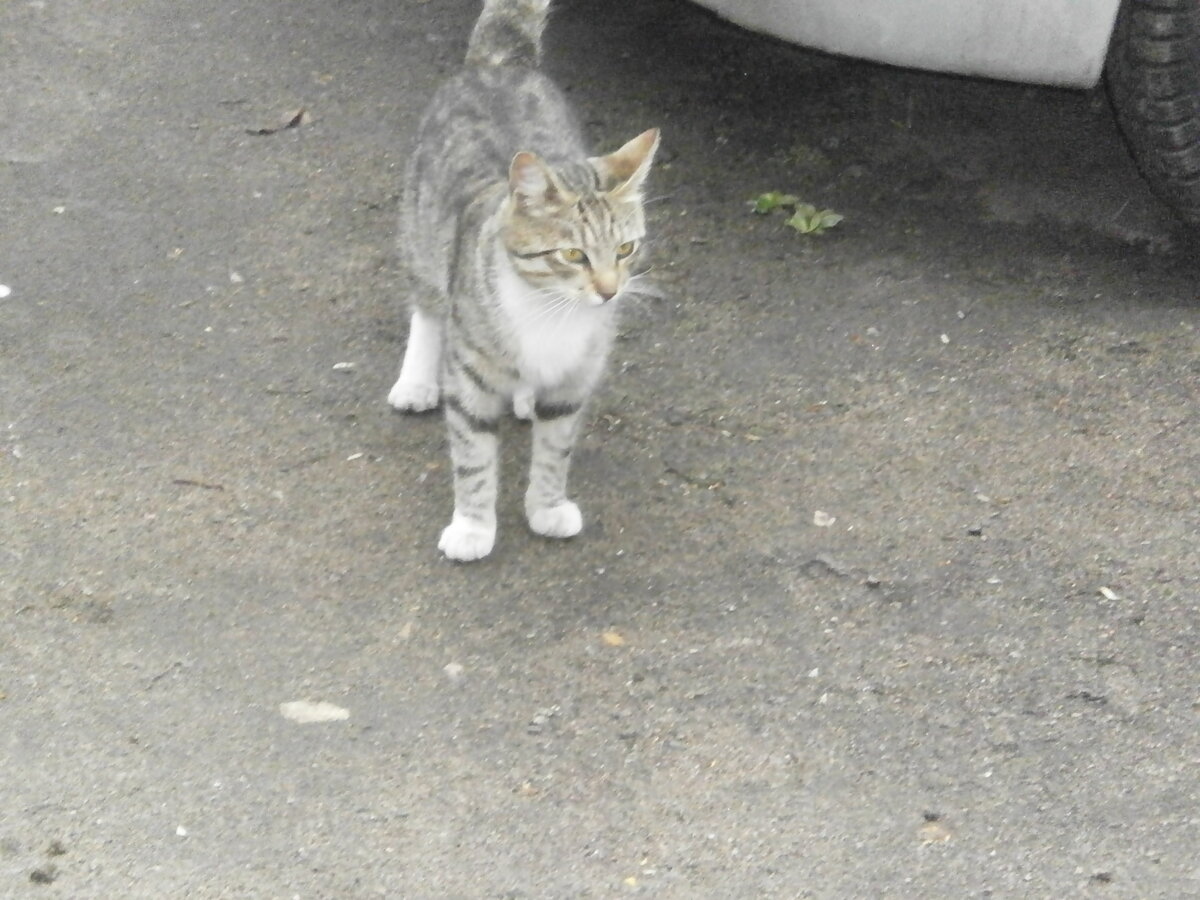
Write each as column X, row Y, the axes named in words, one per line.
column 1153, row 77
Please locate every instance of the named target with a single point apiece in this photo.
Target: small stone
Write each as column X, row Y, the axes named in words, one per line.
column 934, row 832
column 307, row 711
column 975, row 530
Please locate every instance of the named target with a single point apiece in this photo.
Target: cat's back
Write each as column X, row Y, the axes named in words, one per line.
column 497, row 111
column 479, row 120
column 475, row 124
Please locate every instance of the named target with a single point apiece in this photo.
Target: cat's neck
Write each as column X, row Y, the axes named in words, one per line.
column 552, row 335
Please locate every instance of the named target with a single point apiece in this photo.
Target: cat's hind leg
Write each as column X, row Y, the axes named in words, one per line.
column 416, row 390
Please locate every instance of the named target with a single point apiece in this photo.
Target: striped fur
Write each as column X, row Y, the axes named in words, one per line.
column 519, row 244
column 509, row 32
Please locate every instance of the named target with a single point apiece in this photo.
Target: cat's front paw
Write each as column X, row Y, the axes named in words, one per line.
column 561, row 521
column 408, row 396
column 467, row 539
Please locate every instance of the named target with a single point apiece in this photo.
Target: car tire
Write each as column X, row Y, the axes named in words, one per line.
column 1153, row 77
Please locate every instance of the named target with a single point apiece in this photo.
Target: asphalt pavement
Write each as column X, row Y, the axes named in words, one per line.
column 889, row 580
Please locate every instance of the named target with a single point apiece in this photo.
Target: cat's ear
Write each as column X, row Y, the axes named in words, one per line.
column 627, row 168
column 533, row 186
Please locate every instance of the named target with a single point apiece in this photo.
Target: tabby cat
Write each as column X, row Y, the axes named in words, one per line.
column 520, row 245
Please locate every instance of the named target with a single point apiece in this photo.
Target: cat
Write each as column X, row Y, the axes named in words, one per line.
column 521, row 246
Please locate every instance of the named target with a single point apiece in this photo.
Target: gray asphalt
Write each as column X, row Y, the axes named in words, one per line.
column 889, row 580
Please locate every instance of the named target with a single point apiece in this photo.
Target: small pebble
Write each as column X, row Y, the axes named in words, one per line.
column 307, row 711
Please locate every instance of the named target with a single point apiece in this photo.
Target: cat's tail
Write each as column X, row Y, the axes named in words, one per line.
column 509, row 32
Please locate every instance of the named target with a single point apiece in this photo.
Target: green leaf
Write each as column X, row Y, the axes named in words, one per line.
column 807, row 219
column 771, row 201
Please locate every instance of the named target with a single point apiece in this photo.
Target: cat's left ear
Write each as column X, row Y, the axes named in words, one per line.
column 628, row 167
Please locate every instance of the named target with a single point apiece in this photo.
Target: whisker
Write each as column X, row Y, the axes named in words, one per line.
column 548, row 312
column 566, row 310
column 641, row 286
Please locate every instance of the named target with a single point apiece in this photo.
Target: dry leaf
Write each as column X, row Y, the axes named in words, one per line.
column 295, row 120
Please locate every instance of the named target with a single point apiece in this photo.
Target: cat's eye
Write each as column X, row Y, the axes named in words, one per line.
column 573, row 255
column 626, row 249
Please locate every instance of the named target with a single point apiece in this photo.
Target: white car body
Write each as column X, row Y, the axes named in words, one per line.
column 1059, row 42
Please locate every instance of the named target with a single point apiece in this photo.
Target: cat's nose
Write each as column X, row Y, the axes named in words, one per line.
column 605, row 285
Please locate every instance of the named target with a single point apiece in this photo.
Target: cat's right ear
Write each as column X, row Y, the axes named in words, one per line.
column 533, row 186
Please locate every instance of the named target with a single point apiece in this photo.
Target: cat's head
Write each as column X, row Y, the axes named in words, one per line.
column 575, row 230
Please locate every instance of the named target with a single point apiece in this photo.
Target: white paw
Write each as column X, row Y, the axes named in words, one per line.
column 467, row 539
column 523, row 403
column 413, row 397
column 562, row 521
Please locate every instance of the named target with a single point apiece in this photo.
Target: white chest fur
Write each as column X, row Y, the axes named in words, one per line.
column 556, row 339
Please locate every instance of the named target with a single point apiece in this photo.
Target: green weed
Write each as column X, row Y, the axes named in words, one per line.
column 804, row 217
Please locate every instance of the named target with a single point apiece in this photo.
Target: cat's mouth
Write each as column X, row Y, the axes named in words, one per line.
column 597, row 297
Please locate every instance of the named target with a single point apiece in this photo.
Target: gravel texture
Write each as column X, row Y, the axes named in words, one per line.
column 890, row 573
